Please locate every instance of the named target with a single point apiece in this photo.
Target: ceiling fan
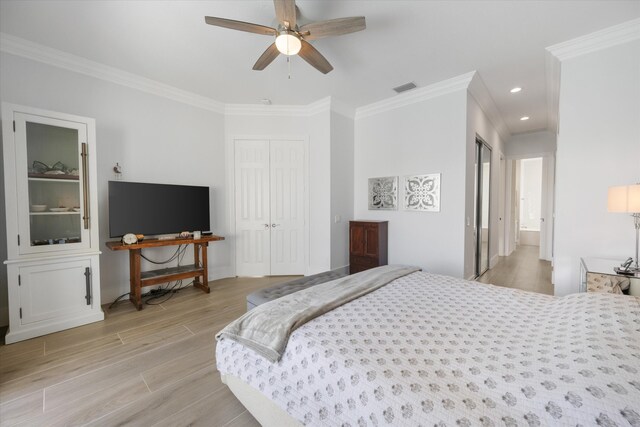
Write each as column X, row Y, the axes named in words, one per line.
column 291, row 39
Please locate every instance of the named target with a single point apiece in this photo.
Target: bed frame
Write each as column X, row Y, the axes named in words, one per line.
column 266, row 412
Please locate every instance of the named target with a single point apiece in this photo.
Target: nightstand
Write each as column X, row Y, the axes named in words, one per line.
column 597, row 275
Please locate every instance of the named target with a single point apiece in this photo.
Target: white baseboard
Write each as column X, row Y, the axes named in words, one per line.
column 343, row 269
column 493, row 261
column 221, row 273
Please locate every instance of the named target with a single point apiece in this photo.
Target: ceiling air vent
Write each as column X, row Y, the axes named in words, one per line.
column 405, row 87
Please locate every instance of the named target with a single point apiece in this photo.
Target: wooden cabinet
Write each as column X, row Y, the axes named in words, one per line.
column 52, row 222
column 367, row 244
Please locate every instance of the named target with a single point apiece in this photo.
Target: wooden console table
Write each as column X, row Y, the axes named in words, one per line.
column 139, row 279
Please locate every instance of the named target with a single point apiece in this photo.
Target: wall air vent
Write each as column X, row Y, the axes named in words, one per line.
column 405, row 87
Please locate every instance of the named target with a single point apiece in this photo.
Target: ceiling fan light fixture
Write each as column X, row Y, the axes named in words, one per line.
column 288, row 43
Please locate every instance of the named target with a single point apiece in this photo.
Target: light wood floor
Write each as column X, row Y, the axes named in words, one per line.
column 157, row 366
column 521, row 270
column 150, row 367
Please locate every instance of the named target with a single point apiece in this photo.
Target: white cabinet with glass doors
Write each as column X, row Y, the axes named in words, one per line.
column 52, row 222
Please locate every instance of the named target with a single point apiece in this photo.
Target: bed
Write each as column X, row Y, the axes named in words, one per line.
column 428, row 349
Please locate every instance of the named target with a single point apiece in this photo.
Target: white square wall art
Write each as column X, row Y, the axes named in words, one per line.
column 383, row 193
column 422, row 193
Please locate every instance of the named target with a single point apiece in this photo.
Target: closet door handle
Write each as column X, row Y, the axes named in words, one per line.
column 274, row 225
column 266, row 225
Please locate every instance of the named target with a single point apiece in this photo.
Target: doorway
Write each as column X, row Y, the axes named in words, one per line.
column 530, row 202
column 482, row 229
column 270, row 206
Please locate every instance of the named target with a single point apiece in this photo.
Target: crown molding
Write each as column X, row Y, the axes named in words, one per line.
column 555, row 54
column 319, row 106
column 481, row 94
column 265, row 110
column 24, row 48
column 416, row 95
column 325, row 104
column 612, row 36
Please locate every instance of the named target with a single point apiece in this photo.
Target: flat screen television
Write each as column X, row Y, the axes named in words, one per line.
column 153, row 209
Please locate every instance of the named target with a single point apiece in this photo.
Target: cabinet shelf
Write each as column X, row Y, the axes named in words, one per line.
column 57, row 178
column 55, row 213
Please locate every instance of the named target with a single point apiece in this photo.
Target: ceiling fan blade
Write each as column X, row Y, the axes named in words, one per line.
column 286, row 12
column 240, row 26
column 267, row 57
column 314, row 58
column 333, row 27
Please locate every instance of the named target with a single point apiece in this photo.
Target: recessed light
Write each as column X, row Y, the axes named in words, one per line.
column 523, row 118
column 515, row 90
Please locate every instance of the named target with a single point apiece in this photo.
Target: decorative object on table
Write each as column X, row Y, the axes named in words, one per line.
column 129, row 239
column 626, row 199
column 383, row 193
column 196, row 235
column 422, row 192
column 140, row 237
column 184, row 234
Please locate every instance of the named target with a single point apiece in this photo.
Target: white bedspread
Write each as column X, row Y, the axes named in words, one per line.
column 429, row 349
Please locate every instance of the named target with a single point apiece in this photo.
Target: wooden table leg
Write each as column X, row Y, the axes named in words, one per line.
column 196, row 261
column 205, row 274
column 134, row 278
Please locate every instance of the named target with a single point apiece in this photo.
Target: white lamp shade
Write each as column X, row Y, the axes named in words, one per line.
column 624, row 198
column 633, row 203
column 617, row 201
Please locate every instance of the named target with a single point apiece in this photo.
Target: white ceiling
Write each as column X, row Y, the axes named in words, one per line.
column 420, row 41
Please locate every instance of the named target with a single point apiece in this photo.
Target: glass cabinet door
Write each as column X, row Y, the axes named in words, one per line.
column 52, row 184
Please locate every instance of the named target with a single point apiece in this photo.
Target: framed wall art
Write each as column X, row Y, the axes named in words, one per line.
column 422, row 193
column 383, row 193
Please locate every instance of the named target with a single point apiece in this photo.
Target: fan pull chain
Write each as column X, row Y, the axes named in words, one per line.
column 289, row 66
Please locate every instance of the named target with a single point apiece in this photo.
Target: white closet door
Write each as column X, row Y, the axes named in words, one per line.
column 287, row 207
column 252, row 207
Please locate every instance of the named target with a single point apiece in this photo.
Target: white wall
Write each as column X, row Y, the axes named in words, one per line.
column 342, row 129
column 532, row 144
column 421, row 138
column 478, row 124
column 598, row 147
column 316, row 128
column 153, row 138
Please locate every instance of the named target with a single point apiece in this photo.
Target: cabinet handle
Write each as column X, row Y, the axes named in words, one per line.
column 87, row 276
column 266, row 225
column 85, row 186
column 274, row 225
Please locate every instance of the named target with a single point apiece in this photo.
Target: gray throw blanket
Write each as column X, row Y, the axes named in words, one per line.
column 266, row 328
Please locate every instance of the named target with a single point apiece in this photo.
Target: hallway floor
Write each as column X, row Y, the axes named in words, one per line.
column 521, row 270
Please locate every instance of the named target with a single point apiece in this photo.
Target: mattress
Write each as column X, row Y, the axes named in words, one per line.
column 435, row 350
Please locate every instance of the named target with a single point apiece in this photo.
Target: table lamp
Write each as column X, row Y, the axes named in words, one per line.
column 626, row 199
